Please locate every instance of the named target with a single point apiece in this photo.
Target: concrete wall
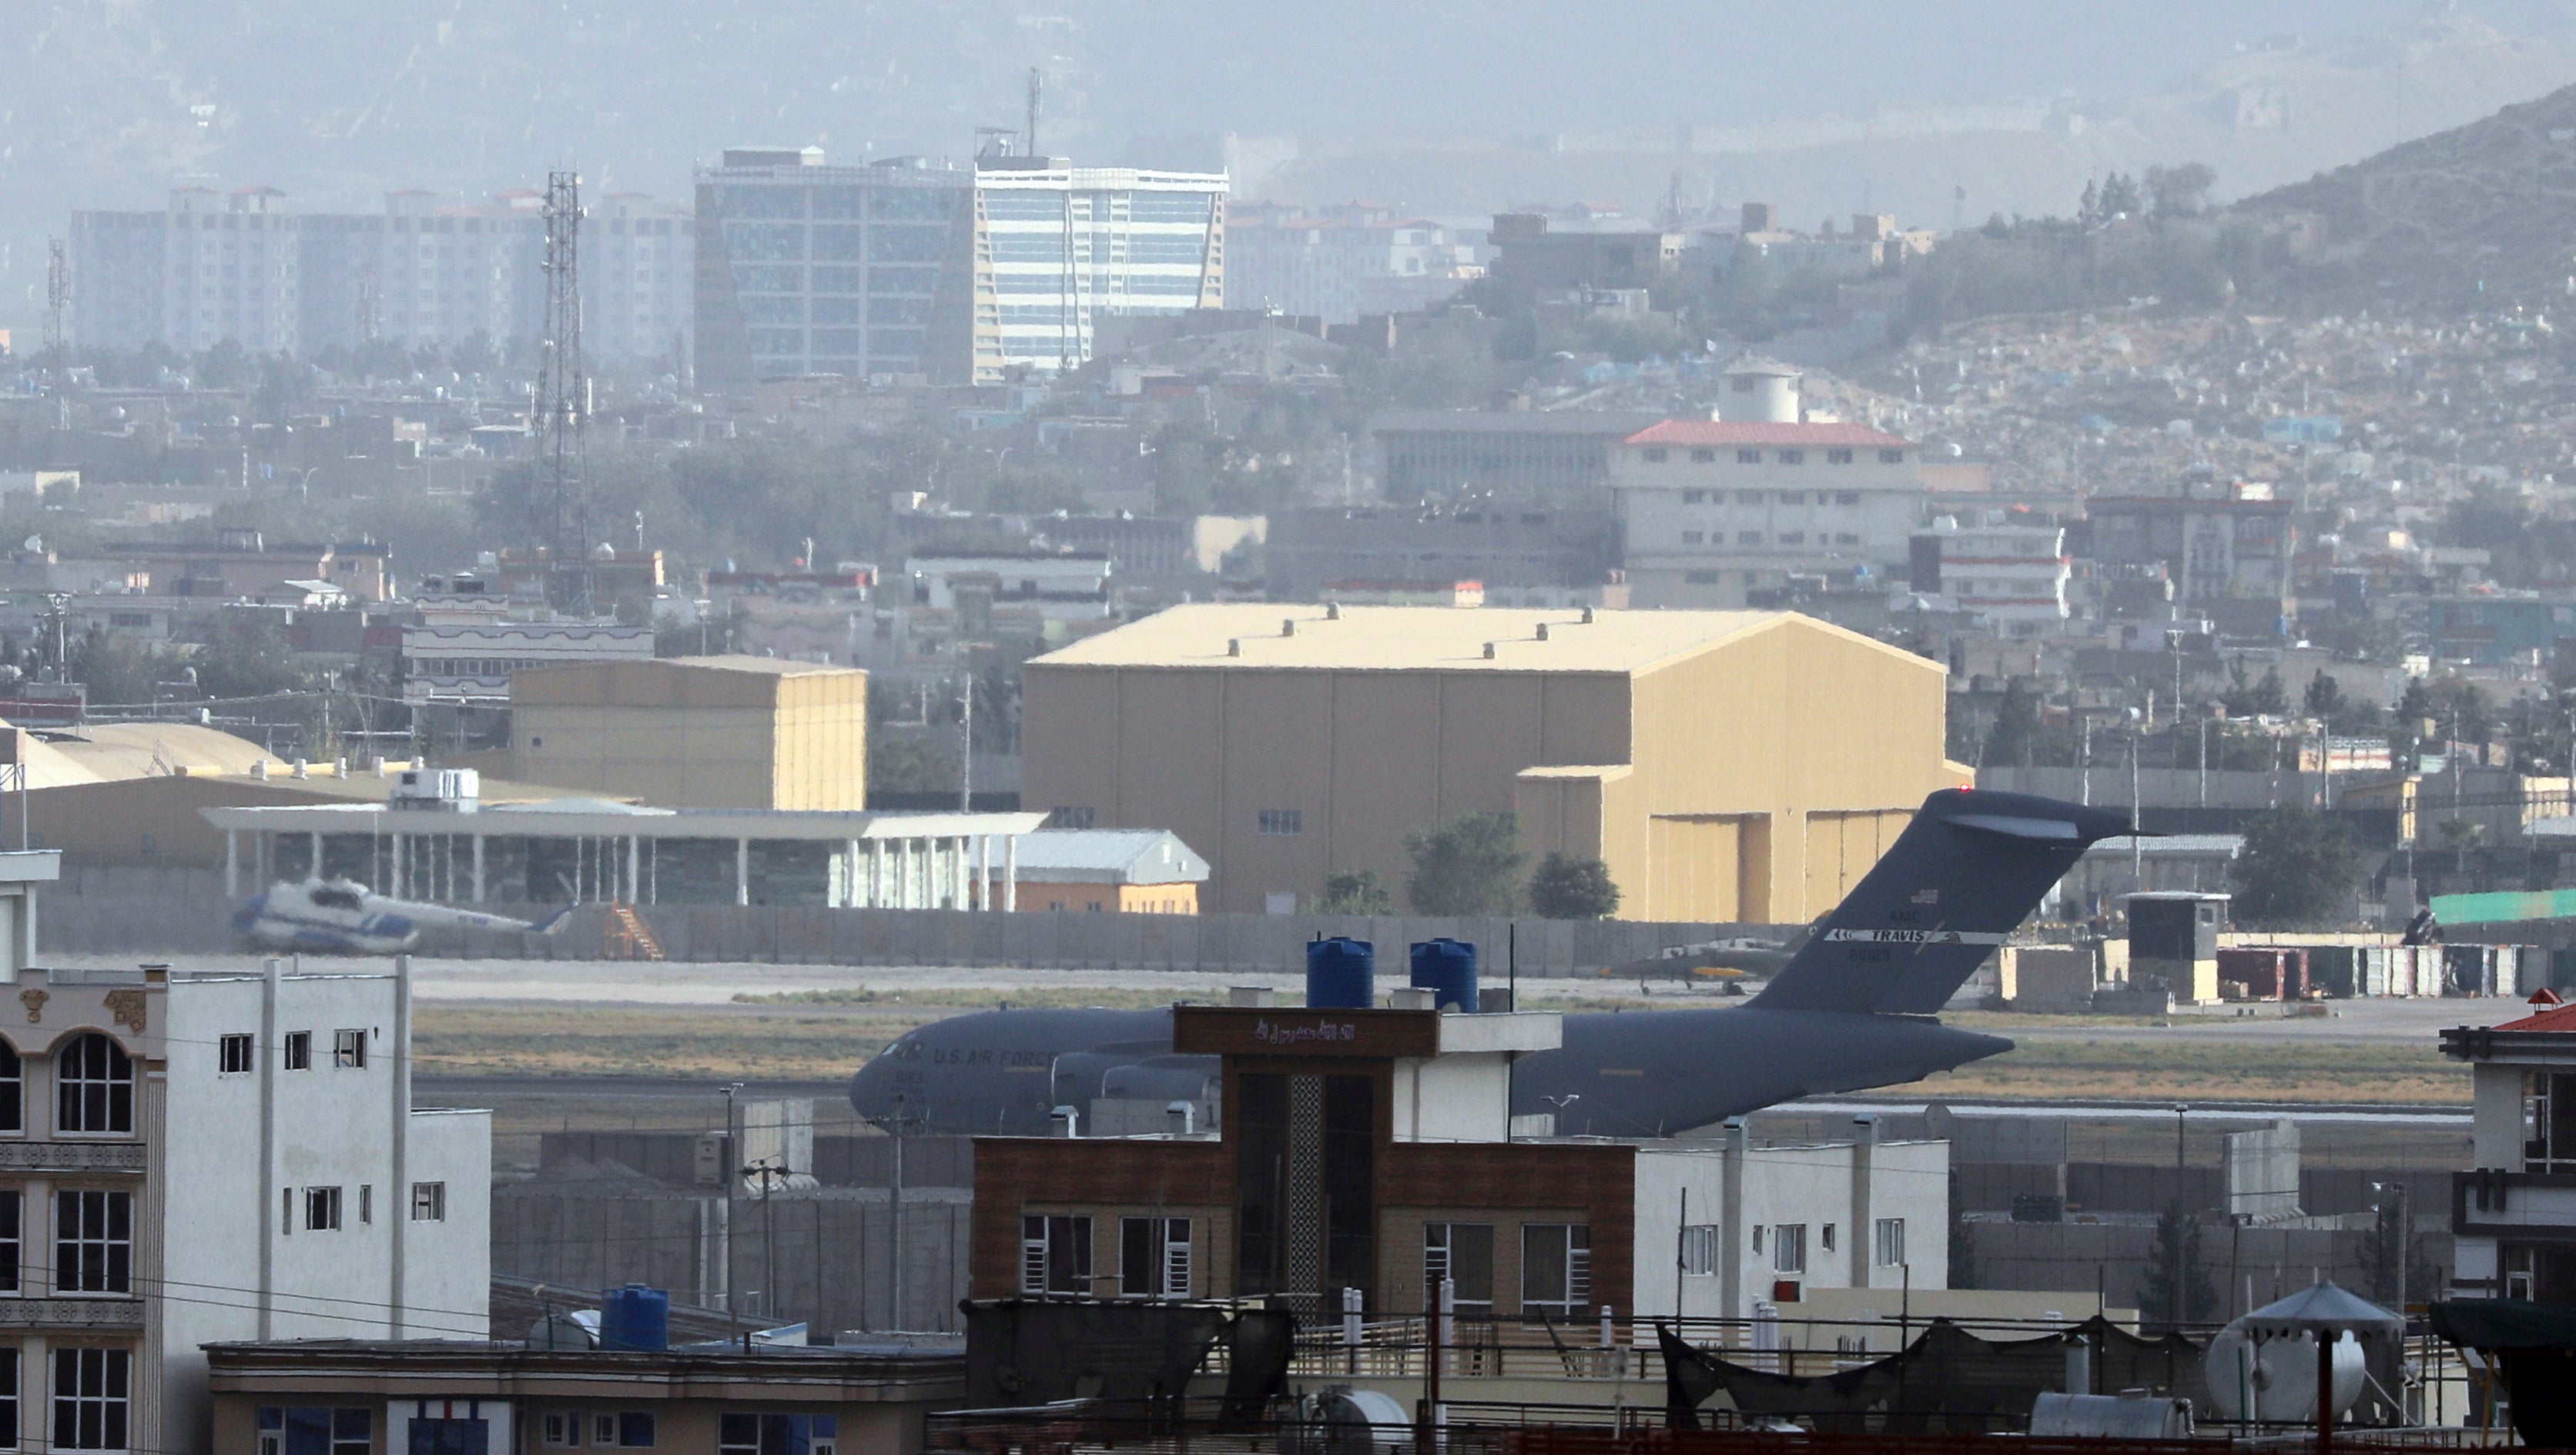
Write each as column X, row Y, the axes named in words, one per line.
column 832, row 1248
column 149, row 913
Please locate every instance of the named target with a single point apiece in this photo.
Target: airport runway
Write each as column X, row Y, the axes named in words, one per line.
column 631, row 983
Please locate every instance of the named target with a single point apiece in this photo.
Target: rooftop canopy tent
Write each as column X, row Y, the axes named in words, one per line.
column 2533, row 1347
column 2326, row 1314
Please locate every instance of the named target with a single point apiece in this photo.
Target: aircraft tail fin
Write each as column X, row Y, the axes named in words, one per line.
column 1962, row 876
column 547, row 925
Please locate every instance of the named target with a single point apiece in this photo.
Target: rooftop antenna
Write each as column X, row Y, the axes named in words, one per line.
column 1037, row 92
column 58, row 292
column 563, row 402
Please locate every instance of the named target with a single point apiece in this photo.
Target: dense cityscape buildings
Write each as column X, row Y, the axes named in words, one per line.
column 990, row 763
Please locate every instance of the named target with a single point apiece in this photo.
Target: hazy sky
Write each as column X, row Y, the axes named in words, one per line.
column 1516, row 65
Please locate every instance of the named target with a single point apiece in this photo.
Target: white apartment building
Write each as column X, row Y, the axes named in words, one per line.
column 2011, row 575
column 1711, row 509
column 1057, row 246
column 1338, row 263
column 1753, row 1223
column 194, row 1158
column 241, row 266
column 466, row 661
column 2513, row 1213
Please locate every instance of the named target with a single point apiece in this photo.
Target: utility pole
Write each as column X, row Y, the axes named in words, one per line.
column 563, row 405
column 966, row 743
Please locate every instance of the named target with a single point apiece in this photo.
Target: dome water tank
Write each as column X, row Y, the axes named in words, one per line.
column 2277, row 1378
column 1341, row 974
column 1446, row 968
column 634, row 1317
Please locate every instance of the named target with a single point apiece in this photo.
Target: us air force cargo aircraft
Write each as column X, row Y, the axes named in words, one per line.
column 1852, row 1008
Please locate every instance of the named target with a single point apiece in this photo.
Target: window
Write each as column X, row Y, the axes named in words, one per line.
column 1703, row 578
column 309, row 1431
column 96, row 1086
column 1703, row 457
column 1282, row 821
column 1846, row 538
column 1793, row 538
column 1691, row 537
column 1070, row 818
column 1846, row 497
column 1556, row 1267
column 93, row 1241
column 1748, row 457
column 1793, row 497
column 9, row 1398
column 349, row 1050
column 1055, row 1254
column 1748, row 538
column 1748, row 497
column 630, row 1428
column 1154, row 1257
column 1888, row 1242
column 1699, row 1250
column 366, row 1202
column 429, row 1202
column 299, row 1050
column 1464, row 1254
column 1825, row 1237
column 1694, row 497
column 558, row 1427
column 751, row 1434
column 1656, row 454
column 90, row 1398
column 1838, row 457
column 1891, row 457
column 13, row 1082
column 233, row 1056
column 1789, row 1248
column 1793, row 457
column 321, row 1209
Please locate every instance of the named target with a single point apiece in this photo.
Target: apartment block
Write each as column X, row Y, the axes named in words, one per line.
column 245, row 267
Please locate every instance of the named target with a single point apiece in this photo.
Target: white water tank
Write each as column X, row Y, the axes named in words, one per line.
column 2277, row 1377
column 1758, row 391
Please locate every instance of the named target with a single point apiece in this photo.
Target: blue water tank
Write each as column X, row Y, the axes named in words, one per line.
column 1341, row 974
column 1446, row 968
column 634, row 1317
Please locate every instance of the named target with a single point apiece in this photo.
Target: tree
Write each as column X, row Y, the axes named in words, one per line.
column 1355, row 891
column 2298, row 870
column 2176, row 1288
column 2324, row 697
column 2181, row 191
column 246, row 655
column 2016, row 726
column 1469, row 865
column 1569, row 887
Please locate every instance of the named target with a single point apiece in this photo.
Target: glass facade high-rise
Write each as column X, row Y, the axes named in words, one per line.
column 1057, row 246
column 938, row 271
column 806, row 268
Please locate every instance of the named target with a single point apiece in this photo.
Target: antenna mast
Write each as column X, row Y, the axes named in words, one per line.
column 563, row 404
column 1037, row 91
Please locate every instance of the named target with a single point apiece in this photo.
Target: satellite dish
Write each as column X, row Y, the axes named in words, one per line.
column 1939, row 1121
column 34, row 543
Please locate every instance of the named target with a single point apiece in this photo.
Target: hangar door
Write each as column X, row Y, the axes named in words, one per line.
column 1708, row 867
column 1841, row 847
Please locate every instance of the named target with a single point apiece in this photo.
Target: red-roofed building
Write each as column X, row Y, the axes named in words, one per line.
column 1715, row 509
column 2514, row 1214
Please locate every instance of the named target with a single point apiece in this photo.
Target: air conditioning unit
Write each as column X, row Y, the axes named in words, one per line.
column 451, row 790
